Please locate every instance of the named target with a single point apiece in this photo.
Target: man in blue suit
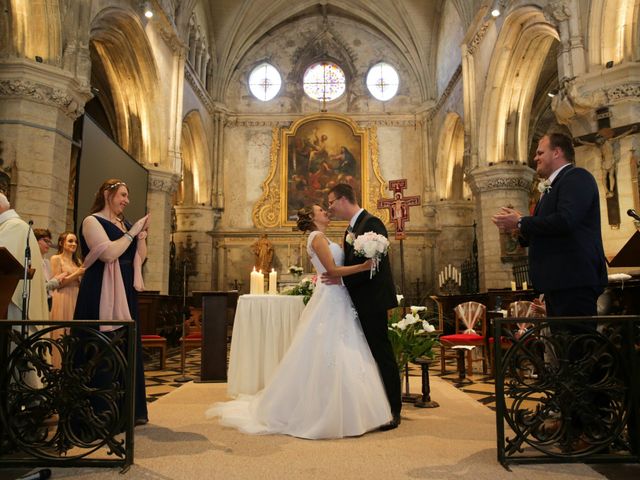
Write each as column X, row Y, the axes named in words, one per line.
column 566, row 257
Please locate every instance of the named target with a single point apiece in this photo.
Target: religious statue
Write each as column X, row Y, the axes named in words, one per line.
column 603, row 141
column 263, row 251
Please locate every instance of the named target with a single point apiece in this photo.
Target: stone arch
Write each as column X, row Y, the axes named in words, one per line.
column 518, row 57
column 30, row 30
column 614, row 34
column 450, row 159
column 196, row 170
column 127, row 80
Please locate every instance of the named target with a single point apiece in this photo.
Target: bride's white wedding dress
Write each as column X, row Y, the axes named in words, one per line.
column 327, row 385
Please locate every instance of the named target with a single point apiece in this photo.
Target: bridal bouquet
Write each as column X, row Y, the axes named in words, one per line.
column 371, row 245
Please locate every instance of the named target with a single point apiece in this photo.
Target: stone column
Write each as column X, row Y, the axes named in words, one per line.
column 496, row 186
column 38, row 105
column 197, row 222
column 162, row 186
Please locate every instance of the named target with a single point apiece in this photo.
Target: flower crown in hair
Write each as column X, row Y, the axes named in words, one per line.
column 117, row 184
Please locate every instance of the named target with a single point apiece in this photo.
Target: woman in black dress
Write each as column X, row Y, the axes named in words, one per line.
column 109, row 241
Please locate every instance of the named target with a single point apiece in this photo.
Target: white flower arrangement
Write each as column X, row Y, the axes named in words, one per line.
column 296, row 270
column 544, row 186
column 399, row 298
column 371, row 245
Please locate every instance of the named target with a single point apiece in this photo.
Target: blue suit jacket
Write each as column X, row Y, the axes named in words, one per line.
column 563, row 235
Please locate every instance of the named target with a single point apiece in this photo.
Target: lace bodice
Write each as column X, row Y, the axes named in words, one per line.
column 336, row 251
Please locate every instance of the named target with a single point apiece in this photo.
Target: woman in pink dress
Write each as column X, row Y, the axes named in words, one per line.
column 64, row 298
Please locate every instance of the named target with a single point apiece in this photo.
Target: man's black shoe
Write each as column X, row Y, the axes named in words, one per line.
column 392, row 424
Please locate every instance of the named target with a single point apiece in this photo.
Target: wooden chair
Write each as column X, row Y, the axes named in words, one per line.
column 192, row 333
column 518, row 309
column 471, row 317
column 153, row 342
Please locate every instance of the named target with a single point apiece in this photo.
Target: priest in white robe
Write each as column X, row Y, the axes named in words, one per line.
column 13, row 236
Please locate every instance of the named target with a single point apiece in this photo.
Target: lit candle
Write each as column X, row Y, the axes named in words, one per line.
column 513, row 286
column 441, row 279
column 525, row 286
column 273, row 282
column 255, row 276
column 260, row 286
column 459, row 278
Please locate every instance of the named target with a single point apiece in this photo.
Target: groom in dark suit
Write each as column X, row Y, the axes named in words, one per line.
column 566, row 257
column 372, row 297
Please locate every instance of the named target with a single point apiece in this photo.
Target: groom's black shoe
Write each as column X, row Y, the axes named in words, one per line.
column 392, row 424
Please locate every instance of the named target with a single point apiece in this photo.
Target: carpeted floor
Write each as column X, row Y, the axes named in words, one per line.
column 456, row 440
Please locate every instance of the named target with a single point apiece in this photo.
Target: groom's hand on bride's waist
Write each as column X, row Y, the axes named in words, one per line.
column 330, row 280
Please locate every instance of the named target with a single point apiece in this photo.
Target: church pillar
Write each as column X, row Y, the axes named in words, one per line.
column 38, row 105
column 217, row 149
column 453, row 245
column 162, row 186
column 193, row 226
column 497, row 186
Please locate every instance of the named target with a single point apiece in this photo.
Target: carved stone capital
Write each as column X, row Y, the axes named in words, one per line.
column 557, row 11
column 163, row 181
column 502, row 176
column 43, row 84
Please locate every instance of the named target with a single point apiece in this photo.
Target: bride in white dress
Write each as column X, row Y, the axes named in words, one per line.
column 328, row 384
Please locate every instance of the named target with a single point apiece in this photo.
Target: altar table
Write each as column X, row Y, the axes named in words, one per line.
column 263, row 328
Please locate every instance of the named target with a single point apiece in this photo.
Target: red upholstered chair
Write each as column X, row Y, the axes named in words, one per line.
column 470, row 328
column 153, row 342
column 192, row 333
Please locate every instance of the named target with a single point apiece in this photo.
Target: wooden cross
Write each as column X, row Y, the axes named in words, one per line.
column 399, row 206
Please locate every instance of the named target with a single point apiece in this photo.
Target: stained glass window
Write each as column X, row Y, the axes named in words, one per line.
column 264, row 82
column 324, row 81
column 383, row 81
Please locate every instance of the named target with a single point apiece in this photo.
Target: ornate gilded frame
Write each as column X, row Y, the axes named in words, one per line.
column 271, row 211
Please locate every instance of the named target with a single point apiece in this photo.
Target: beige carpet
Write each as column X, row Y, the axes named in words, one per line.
column 456, row 440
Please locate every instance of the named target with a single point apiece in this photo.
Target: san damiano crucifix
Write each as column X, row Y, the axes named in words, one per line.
column 399, row 212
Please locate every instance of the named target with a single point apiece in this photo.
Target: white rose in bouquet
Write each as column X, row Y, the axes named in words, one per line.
column 371, row 245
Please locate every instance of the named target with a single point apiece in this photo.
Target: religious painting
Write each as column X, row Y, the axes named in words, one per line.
column 320, row 152
column 311, row 156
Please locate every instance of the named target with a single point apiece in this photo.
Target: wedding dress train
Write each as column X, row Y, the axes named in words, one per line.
column 327, row 385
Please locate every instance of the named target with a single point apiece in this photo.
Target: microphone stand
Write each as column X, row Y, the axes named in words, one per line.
column 185, row 312
column 26, row 284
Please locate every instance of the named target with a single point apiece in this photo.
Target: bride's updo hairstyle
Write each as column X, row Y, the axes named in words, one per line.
column 305, row 219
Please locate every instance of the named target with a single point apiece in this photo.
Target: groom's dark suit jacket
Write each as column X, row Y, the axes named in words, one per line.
column 563, row 235
column 372, row 297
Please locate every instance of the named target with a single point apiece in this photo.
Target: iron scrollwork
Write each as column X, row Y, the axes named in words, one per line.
column 68, row 412
column 566, row 390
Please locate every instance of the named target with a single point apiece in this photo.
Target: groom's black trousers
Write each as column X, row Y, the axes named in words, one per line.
column 376, row 332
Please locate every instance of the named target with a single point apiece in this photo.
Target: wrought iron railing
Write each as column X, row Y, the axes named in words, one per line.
column 78, row 413
column 567, row 389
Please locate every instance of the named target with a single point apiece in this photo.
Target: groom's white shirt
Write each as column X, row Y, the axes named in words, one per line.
column 352, row 222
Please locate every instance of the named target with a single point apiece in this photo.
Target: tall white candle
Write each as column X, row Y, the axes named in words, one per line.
column 260, row 286
column 273, row 282
column 525, row 286
column 255, row 278
column 513, row 286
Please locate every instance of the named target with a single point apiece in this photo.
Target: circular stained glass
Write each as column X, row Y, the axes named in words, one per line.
column 324, row 81
column 264, row 82
column 383, row 81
